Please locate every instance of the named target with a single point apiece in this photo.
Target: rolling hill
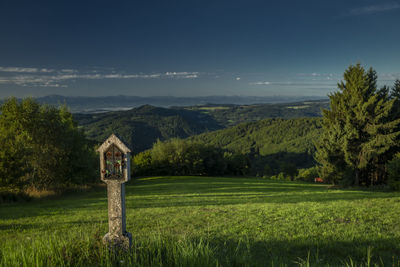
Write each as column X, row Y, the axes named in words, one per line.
column 141, row 127
column 267, row 147
column 271, row 142
column 267, row 136
column 230, row 115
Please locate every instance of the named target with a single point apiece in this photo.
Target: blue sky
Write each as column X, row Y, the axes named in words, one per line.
column 193, row 48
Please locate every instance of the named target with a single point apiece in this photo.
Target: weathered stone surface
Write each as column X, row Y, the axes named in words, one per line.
column 124, row 242
column 117, row 235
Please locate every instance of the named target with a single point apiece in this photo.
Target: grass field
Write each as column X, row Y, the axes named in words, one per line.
column 207, row 221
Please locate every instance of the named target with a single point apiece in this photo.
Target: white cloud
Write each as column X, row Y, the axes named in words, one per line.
column 367, row 10
column 260, row 83
column 182, row 75
column 316, row 74
column 25, row 70
column 190, row 76
column 113, row 76
column 309, row 83
column 69, row 71
column 17, row 69
column 389, row 76
column 46, row 70
column 238, row 78
column 51, row 78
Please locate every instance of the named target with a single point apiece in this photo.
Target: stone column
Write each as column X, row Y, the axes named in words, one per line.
column 115, row 172
column 117, row 234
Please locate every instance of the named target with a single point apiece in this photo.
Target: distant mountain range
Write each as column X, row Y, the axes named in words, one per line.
column 80, row 104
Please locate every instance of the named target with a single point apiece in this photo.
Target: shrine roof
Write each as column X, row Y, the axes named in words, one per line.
column 113, row 139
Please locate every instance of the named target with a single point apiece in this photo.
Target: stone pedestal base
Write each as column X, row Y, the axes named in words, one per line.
column 123, row 241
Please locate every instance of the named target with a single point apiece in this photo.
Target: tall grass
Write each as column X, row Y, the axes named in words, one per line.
column 82, row 249
column 204, row 221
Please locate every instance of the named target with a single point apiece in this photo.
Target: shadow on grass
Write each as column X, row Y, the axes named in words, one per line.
column 322, row 253
column 54, row 207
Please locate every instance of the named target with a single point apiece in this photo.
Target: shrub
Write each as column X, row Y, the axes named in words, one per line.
column 393, row 168
column 308, row 175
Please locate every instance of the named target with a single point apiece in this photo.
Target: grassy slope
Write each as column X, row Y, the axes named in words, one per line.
column 202, row 221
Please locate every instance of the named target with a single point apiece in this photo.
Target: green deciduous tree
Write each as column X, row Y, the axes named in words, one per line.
column 180, row 157
column 42, row 147
column 185, row 157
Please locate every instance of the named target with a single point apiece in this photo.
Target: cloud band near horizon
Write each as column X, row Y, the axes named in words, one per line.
column 42, row 77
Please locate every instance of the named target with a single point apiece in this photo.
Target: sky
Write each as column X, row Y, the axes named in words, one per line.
column 193, row 48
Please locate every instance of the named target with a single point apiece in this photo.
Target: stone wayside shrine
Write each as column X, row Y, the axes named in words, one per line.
column 115, row 171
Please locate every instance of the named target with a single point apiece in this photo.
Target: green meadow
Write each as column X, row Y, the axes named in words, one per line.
column 209, row 221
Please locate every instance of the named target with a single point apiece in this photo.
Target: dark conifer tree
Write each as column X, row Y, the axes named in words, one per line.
column 359, row 129
column 396, row 89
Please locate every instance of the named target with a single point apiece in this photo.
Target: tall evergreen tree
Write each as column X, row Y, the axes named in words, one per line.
column 359, row 130
column 395, row 94
column 329, row 148
column 396, row 89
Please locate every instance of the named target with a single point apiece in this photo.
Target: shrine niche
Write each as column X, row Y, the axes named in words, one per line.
column 114, row 160
column 115, row 172
column 114, row 164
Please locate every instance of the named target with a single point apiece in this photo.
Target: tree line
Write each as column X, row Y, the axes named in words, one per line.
column 183, row 157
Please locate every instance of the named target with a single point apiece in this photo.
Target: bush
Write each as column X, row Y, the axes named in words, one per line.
column 281, row 176
column 142, row 164
column 308, row 175
column 393, row 168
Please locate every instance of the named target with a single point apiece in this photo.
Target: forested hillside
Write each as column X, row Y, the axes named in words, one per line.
column 269, row 142
column 230, row 115
column 265, row 137
column 141, row 127
column 264, row 148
